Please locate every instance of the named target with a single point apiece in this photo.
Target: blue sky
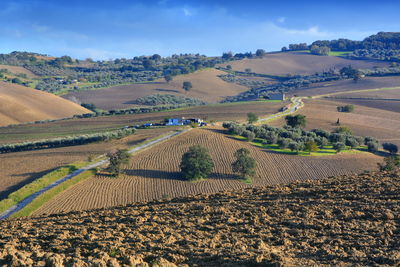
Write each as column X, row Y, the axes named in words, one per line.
column 128, row 28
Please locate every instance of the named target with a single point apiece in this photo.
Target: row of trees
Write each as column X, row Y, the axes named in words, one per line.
column 296, row 139
column 197, row 164
column 168, row 99
column 66, row 141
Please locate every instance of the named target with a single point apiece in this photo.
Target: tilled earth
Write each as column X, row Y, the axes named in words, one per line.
column 348, row 220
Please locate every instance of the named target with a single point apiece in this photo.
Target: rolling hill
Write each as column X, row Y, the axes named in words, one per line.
column 298, row 63
column 207, row 86
column 22, row 104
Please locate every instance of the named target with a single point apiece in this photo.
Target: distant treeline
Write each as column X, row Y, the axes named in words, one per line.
column 381, row 40
column 66, row 141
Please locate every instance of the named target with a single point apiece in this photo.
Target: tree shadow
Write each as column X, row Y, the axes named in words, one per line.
column 157, row 174
column 135, row 142
column 32, row 177
column 167, row 90
column 165, row 175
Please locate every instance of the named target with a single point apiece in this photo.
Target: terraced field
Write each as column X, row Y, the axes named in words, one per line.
column 154, row 173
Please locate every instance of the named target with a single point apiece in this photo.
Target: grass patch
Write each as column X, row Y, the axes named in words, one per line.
column 326, row 151
column 37, row 185
column 48, row 195
column 338, row 53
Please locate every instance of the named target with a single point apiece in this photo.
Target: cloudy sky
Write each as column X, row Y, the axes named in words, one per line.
column 127, row 28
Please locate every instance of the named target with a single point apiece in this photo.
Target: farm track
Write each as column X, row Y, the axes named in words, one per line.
column 19, row 206
column 154, row 173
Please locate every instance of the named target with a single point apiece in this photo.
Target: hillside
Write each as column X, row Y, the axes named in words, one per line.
column 206, row 86
column 342, row 221
column 299, row 63
column 22, row 104
column 154, row 173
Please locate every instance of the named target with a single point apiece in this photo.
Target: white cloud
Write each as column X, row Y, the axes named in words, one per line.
column 281, row 20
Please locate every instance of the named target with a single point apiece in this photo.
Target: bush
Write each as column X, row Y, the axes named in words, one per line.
column 336, row 137
column 352, row 142
column 249, row 135
column 168, row 99
column 310, row 146
column 372, row 146
column 343, row 130
column 390, row 163
column 196, row 163
column 295, row 146
column 271, row 138
column 339, row 146
column 391, row 148
column 283, row 142
column 346, row 108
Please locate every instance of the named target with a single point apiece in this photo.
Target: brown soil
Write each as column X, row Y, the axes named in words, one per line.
column 373, row 103
column 23, row 104
column 299, row 63
column 18, row 169
column 364, row 121
column 155, row 173
column 18, row 70
column 342, row 221
column 350, row 85
column 225, row 112
column 206, row 86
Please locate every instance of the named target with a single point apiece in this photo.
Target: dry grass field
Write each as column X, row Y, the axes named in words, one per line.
column 154, row 173
column 341, row 221
column 299, row 63
column 374, row 103
column 219, row 112
column 18, row 70
column 349, row 85
column 18, row 169
column 364, row 121
column 206, row 86
column 23, row 104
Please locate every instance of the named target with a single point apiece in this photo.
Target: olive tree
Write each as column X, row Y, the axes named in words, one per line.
column 196, row 163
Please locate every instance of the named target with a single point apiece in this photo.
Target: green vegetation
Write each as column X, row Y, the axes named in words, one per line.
column 390, row 147
column 320, row 50
column 338, row 53
column 252, row 117
column 244, row 164
column 346, row 108
column 116, row 159
column 296, row 120
column 48, row 195
column 37, row 185
column 390, row 163
column 295, row 141
column 196, row 163
column 168, row 99
column 187, row 86
column 67, row 141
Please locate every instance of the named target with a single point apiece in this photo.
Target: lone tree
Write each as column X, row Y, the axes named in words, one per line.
column 296, row 121
column 187, row 86
column 260, row 52
column 391, row 148
column 252, row 117
column 117, row 158
column 196, row 163
column 244, row 164
column 168, row 78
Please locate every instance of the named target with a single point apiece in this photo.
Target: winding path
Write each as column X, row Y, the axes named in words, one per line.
column 296, row 104
column 22, row 204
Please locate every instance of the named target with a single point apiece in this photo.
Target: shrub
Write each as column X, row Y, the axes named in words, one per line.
column 283, row 142
column 391, row 148
column 310, row 146
column 295, row 146
column 196, row 163
column 336, row 137
column 271, row 138
column 339, row 146
column 372, row 146
column 249, row 135
column 346, row 108
column 390, row 163
column 343, row 130
column 352, row 142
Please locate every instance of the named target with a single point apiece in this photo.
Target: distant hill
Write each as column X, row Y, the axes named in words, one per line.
column 23, row 104
column 298, row 63
column 207, row 86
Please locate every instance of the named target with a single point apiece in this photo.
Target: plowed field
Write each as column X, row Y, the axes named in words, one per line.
column 299, row 63
column 154, row 173
column 206, row 86
column 18, row 169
